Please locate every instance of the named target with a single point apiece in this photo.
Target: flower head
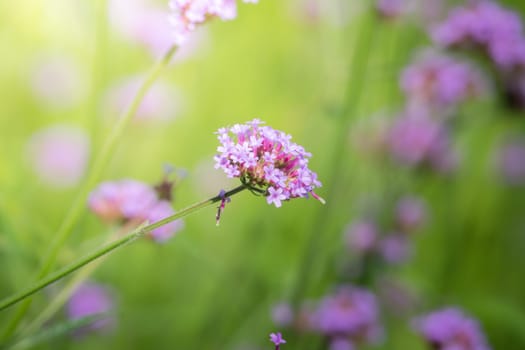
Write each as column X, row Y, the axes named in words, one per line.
column 350, row 312
column 88, row 300
column 130, row 201
column 489, row 26
column 451, row 329
column 59, row 155
column 436, row 81
column 277, row 339
column 186, row 15
column 267, row 161
column 410, row 213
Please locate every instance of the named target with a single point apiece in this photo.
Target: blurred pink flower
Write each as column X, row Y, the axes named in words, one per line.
column 391, row 8
column 282, row 314
column 57, row 81
column 438, row 81
column 411, row 213
column 122, row 200
column 395, row 248
column 59, row 155
column 187, row 15
column 91, row 299
column 161, row 103
column 144, row 23
column 160, row 211
column 361, row 236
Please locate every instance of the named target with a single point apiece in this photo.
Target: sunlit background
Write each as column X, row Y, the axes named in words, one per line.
column 414, row 112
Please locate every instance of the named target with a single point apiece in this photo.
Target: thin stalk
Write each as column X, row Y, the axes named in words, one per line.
column 74, row 213
column 354, row 90
column 139, row 232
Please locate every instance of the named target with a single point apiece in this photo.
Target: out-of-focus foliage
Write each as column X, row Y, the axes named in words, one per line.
column 325, row 71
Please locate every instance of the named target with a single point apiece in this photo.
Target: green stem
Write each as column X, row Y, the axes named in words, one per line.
column 108, row 248
column 354, row 90
column 74, row 213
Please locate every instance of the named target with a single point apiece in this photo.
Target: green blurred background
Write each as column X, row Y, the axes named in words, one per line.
column 322, row 77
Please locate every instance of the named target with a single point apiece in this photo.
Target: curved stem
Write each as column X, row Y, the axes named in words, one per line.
column 74, row 213
column 139, row 232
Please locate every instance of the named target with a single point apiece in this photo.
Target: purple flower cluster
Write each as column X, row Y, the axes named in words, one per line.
column 451, row 329
column 350, row 313
column 186, row 15
column 364, row 236
column 89, row 300
column 266, row 159
column 133, row 201
column 487, row 25
column 390, row 8
column 416, row 139
column 436, row 81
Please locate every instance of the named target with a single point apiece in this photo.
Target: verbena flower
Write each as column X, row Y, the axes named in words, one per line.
column 395, row 248
column 419, row 140
column 57, row 81
column 438, row 81
column 91, row 299
column 489, row 26
column 390, row 8
column 267, row 161
column 282, row 314
column 341, row 344
column 411, row 213
column 277, row 339
column 59, row 155
column 351, row 313
column 361, row 236
column 159, row 211
column 123, row 200
column 450, row 328
column 187, row 15
column 130, row 201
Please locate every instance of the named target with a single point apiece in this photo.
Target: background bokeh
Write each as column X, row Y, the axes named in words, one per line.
column 327, row 72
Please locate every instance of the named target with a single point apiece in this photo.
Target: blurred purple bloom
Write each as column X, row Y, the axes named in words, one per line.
column 411, row 138
column 282, row 314
column 277, row 339
column 133, row 201
column 341, row 344
column 395, row 248
column 162, row 102
column 160, row 211
column 266, row 159
column 59, row 155
column 450, row 329
column 187, row 15
column 122, row 200
column 57, row 81
column 88, row 300
column 411, row 212
column 390, row 8
column 349, row 312
column 487, row 25
column 418, row 140
column 511, row 161
column 361, row 236
column 438, row 81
